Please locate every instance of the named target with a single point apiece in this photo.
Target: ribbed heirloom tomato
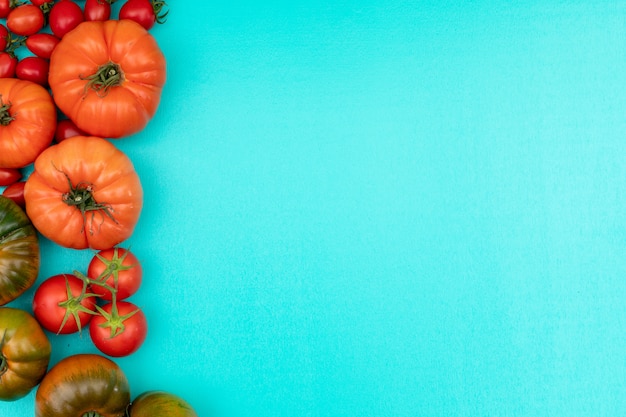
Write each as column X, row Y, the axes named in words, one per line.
column 107, row 77
column 84, row 193
column 27, row 122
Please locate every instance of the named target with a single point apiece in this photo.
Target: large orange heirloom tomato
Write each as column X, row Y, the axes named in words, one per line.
column 107, row 77
column 84, row 193
column 28, row 120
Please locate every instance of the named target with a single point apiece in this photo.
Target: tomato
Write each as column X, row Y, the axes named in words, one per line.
column 160, row 404
column 4, row 37
column 6, row 6
column 65, row 16
column 8, row 63
column 84, row 193
column 117, row 267
column 120, row 329
column 83, row 385
column 42, row 44
column 19, row 251
column 97, row 10
column 61, row 304
column 33, row 68
column 25, row 20
column 66, row 129
column 24, row 353
column 27, row 121
column 144, row 12
column 107, row 77
column 15, row 192
column 41, row 2
column 9, row 175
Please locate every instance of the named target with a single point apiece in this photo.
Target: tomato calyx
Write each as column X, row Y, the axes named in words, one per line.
column 73, row 305
column 4, row 364
column 91, row 414
column 5, row 115
column 113, row 267
column 107, row 76
column 81, row 197
column 113, row 320
column 159, row 15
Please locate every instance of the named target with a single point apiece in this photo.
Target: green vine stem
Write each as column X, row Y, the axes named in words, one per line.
column 107, row 76
column 160, row 15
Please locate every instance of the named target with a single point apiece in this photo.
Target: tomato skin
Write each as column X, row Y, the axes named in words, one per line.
column 119, row 268
column 80, row 384
column 25, row 20
column 31, row 130
column 66, row 129
column 8, row 64
column 33, row 68
column 140, row 11
column 15, row 192
column 125, row 108
column 50, row 314
column 6, row 6
column 19, row 251
column 42, row 44
column 110, row 175
column 160, row 404
column 9, row 175
column 4, row 34
column 128, row 340
column 65, row 16
column 26, row 349
column 97, row 10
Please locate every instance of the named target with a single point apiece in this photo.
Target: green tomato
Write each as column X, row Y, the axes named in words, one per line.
column 160, row 404
column 19, row 251
column 24, row 353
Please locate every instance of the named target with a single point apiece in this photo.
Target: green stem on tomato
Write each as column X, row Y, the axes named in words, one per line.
column 5, row 115
column 92, row 414
column 106, row 77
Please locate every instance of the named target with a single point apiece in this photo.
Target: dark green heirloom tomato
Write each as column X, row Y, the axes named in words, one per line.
column 83, row 385
column 19, row 251
column 160, row 404
column 24, row 353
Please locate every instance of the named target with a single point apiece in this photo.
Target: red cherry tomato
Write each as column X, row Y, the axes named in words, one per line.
column 25, row 20
column 8, row 63
column 60, row 306
column 15, row 192
column 97, row 10
column 41, row 2
column 144, row 12
column 66, row 129
column 33, row 68
column 6, row 6
column 119, row 330
column 42, row 44
column 4, row 37
column 118, row 268
column 9, row 175
column 65, row 16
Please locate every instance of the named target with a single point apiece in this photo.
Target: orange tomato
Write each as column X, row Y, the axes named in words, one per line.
column 27, row 122
column 84, row 193
column 107, row 77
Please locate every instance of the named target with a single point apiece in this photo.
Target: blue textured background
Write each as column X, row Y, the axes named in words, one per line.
column 382, row 208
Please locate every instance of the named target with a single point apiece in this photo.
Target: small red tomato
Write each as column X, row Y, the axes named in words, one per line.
column 41, row 2
column 6, row 6
column 33, row 68
column 8, row 63
column 25, row 20
column 97, row 10
column 119, row 269
column 42, row 44
column 144, row 12
column 9, row 175
column 65, row 16
column 60, row 304
column 4, row 37
column 15, row 192
column 66, row 129
column 119, row 330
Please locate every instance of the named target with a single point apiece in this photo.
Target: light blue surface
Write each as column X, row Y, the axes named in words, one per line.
column 359, row 208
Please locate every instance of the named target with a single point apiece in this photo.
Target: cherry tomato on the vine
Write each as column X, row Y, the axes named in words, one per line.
column 9, row 175
column 33, row 68
column 66, row 129
column 119, row 330
column 144, row 12
column 15, row 192
column 6, row 6
column 65, row 16
column 97, row 10
column 8, row 63
column 119, row 269
column 25, row 20
column 61, row 306
column 42, row 44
